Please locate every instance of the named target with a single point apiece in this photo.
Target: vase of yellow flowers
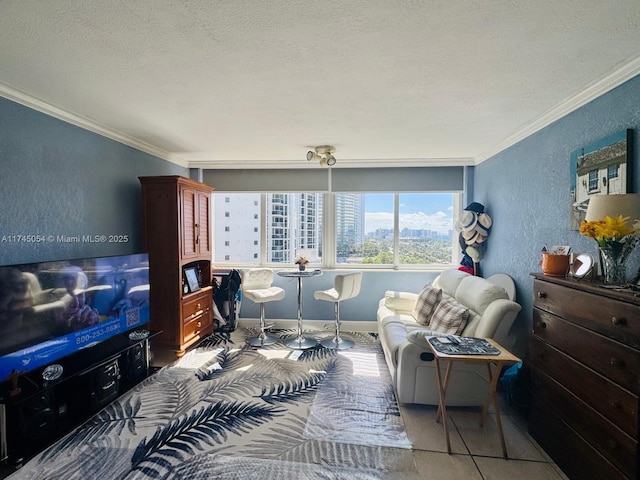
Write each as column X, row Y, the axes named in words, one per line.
column 616, row 240
column 302, row 263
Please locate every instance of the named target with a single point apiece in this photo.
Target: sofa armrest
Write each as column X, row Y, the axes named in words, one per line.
column 418, row 337
column 400, row 302
column 497, row 321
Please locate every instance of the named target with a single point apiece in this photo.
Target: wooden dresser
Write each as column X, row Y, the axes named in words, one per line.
column 585, row 367
column 177, row 235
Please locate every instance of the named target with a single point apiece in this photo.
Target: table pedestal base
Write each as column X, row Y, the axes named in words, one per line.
column 341, row 345
column 300, row 343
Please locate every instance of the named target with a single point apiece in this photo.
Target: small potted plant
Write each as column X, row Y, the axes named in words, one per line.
column 302, row 263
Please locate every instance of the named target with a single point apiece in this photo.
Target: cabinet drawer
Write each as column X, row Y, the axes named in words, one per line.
column 608, row 357
column 199, row 304
column 618, row 447
column 608, row 316
column 577, row 459
column 617, row 404
column 194, row 328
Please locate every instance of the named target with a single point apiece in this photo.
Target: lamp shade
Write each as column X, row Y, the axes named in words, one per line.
column 600, row 206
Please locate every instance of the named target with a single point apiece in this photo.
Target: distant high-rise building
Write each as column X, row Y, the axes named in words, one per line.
column 349, row 223
column 293, row 223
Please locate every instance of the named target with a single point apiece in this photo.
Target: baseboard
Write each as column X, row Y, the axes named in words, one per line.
column 348, row 326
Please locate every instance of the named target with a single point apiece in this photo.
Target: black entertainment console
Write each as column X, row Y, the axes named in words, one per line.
column 35, row 412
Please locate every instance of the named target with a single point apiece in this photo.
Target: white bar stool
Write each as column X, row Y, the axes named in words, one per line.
column 345, row 286
column 256, row 286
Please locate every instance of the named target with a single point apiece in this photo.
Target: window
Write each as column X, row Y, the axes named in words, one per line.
column 593, row 180
column 366, row 234
column 275, row 221
column 387, row 230
column 364, row 228
column 612, row 171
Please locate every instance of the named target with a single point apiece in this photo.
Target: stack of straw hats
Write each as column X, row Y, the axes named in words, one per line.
column 474, row 226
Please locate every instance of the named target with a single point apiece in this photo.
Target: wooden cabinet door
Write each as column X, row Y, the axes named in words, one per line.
column 203, row 229
column 188, row 232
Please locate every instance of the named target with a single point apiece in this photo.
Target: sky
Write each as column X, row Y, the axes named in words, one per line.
column 415, row 211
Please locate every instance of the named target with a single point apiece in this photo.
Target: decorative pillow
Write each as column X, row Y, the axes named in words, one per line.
column 426, row 304
column 450, row 317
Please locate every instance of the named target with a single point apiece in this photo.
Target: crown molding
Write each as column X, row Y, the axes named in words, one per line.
column 87, row 124
column 593, row 91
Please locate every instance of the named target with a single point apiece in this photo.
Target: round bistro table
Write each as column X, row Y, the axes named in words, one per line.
column 300, row 342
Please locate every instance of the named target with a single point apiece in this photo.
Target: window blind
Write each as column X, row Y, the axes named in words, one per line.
column 339, row 180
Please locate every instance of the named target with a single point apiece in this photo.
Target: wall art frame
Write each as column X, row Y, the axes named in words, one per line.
column 600, row 168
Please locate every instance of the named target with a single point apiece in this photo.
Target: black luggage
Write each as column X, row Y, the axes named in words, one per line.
column 225, row 297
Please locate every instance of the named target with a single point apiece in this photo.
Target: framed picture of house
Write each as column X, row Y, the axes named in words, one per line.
column 601, row 168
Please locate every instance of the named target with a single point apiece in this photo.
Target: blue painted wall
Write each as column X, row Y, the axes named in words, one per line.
column 526, row 190
column 58, row 180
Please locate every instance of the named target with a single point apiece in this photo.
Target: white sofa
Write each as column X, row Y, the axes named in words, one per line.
column 408, row 356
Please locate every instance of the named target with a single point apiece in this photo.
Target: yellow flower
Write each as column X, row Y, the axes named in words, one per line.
column 611, row 229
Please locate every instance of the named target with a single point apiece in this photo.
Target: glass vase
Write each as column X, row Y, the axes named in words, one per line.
column 613, row 259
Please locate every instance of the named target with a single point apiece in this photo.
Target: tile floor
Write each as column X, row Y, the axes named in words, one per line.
column 475, row 451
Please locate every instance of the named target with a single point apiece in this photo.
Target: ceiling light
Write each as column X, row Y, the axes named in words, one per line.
column 323, row 154
column 313, row 156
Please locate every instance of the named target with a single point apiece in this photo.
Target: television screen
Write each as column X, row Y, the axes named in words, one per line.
column 49, row 310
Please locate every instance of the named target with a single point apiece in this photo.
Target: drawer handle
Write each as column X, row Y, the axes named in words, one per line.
column 616, row 362
column 543, row 325
column 109, row 385
column 542, row 295
column 199, row 324
column 197, row 306
column 618, row 321
column 613, row 445
column 615, row 405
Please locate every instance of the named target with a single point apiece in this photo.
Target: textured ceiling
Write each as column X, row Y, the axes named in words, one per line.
column 215, row 83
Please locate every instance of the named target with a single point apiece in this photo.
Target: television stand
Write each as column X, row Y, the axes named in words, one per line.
column 35, row 412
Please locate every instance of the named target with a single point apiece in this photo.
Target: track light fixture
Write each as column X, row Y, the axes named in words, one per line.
column 323, row 154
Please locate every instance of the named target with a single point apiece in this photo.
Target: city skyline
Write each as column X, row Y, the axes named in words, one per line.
column 414, row 213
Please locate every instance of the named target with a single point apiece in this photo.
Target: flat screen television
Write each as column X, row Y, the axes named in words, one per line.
column 49, row 310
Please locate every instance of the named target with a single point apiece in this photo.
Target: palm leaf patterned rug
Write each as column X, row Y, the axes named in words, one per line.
column 227, row 410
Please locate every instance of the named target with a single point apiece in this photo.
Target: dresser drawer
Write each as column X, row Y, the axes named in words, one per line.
column 618, row 447
column 195, row 328
column 196, row 305
column 608, row 357
column 578, row 459
column 610, row 317
column 617, row 404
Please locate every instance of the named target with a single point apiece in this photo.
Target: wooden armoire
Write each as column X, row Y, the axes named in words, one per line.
column 176, row 226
